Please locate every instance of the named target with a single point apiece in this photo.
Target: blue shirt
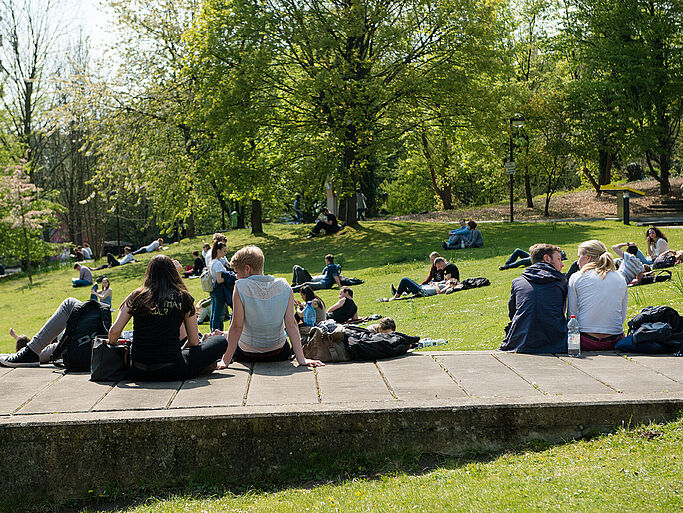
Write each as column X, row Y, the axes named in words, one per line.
column 330, row 271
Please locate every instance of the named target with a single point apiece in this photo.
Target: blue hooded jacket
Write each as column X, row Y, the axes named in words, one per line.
column 536, row 308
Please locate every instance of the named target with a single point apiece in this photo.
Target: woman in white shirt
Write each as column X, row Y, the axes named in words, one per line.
column 598, row 297
column 657, row 243
column 218, row 299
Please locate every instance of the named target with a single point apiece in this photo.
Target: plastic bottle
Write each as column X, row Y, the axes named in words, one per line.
column 309, row 314
column 574, row 337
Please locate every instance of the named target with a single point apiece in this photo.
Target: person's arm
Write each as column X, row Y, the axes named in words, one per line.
column 617, row 249
column 292, row 329
column 512, row 303
column 235, row 331
column 572, row 299
column 337, row 305
column 191, row 330
column 121, row 321
column 337, row 280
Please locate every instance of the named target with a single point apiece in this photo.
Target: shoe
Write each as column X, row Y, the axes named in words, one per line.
column 462, row 244
column 393, row 289
column 342, row 226
column 22, row 358
column 444, row 244
column 502, row 268
column 309, row 236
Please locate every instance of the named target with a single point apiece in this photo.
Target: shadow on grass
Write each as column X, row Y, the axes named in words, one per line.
column 315, row 470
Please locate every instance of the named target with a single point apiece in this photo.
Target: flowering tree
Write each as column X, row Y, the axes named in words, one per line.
column 24, row 212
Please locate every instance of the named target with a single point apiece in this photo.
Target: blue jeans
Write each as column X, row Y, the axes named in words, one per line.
column 518, row 258
column 75, row 282
column 409, row 286
column 217, row 309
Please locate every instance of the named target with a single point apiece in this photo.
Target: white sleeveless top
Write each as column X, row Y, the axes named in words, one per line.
column 265, row 300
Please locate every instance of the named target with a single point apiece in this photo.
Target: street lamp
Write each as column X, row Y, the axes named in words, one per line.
column 516, row 121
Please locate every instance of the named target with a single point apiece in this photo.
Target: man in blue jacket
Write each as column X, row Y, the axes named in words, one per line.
column 537, row 305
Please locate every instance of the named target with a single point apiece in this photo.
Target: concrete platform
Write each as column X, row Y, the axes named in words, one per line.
column 250, row 421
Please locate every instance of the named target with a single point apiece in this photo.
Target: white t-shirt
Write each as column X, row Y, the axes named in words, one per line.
column 223, row 260
column 599, row 305
column 660, row 247
column 87, row 253
column 215, row 266
column 128, row 257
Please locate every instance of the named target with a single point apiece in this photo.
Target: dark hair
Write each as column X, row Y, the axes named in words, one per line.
column 22, row 342
column 214, row 250
column 127, row 249
column 632, row 249
column 538, row 251
column 77, row 266
column 658, row 232
column 348, row 290
column 195, row 253
column 330, row 257
column 309, row 295
column 162, row 281
column 472, row 224
column 387, row 323
column 324, row 209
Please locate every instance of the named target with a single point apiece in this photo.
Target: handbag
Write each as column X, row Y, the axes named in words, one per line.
column 107, row 362
column 655, row 277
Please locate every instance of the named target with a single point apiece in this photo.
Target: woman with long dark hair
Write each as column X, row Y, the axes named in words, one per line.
column 657, row 243
column 161, row 308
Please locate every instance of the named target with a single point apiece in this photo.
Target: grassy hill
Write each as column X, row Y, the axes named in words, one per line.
column 381, row 253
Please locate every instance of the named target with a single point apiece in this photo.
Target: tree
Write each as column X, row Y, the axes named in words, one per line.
column 25, row 213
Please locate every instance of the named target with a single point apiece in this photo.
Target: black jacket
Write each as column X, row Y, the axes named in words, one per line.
column 536, row 308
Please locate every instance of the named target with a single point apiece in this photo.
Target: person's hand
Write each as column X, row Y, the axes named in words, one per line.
column 177, row 265
column 215, row 332
column 221, row 365
column 312, row 363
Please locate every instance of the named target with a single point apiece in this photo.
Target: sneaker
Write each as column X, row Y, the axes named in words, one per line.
column 309, row 236
column 393, row 289
column 462, row 244
column 502, row 268
column 22, row 358
column 444, row 244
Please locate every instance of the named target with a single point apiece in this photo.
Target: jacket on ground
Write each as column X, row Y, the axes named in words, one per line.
column 536, row 309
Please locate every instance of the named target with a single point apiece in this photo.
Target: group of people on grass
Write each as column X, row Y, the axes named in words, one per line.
column 266, row 317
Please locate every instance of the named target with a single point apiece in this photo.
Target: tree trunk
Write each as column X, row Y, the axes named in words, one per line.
column 240, row 214
column 256, row 217
column 28, row 256
column 445, row 193
column 527, row 189
column 190, row 225
column 664, row 168
column 605, row 160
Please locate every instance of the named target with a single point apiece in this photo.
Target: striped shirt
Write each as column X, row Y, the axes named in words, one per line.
column 630, row 267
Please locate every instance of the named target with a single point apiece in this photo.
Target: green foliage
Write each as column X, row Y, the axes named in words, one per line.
column 410, row 191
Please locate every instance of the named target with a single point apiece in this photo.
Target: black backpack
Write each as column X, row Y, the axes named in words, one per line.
column 88, row 320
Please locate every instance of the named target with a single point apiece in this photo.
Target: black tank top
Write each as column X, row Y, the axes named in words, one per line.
column 156, row 337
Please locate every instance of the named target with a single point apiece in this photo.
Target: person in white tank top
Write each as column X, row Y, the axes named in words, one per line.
column 263, row 311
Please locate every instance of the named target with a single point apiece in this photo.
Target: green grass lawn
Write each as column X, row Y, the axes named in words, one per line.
column 380, row 253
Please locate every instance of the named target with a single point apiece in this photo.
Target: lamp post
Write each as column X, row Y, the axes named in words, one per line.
column 516, row 121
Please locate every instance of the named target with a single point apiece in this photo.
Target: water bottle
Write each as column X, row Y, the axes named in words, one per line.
column 574, row 337
column 309, row 314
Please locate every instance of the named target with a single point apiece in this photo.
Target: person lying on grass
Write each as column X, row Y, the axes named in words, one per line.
column 329, row 276
column 408, row 286
column 263, row 315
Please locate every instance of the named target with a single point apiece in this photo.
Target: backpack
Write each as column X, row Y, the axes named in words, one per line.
column 662, row 261
column 88, row 320
column 207, row 281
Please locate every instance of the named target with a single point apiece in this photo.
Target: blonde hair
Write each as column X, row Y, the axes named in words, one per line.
column 248, row 255
column 601, row 261
column 434, row 255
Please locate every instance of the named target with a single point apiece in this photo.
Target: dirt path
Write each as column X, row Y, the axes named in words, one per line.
column 584, row 203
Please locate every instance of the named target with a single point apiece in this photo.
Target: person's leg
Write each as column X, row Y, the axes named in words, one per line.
column 522, row 262
column 200, row 357
column 408, row 286
column 641, row 257
column 111, row 260
column 217, row 311
column 54, row 326
column 318, row 226
column 143, row 249
column 315, row 285
column 516, row 254
column 300, row 275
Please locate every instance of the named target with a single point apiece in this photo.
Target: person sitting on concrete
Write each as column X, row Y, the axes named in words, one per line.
column 113, row 262
column 630, row 266
column 434, row 273
column 154, row 246
column 598, row 297
column 328, row 223
column 197, row 268
column 345, row 309
column 308, row 295
column 159, row 308
column 84, row 276
column 39, row 349
column 263, row 315
column 330, row 275
column 536, row 306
